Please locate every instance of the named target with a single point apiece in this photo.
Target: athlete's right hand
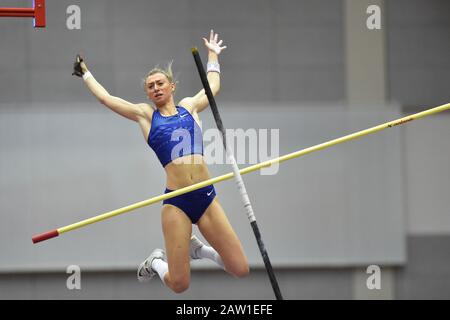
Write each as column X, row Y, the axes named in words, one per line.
column 79, row 67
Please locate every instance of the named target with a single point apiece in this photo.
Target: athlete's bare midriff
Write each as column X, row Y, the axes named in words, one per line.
column 186, row 171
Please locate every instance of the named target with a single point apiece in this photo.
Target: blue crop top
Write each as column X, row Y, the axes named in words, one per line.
column 175, row 136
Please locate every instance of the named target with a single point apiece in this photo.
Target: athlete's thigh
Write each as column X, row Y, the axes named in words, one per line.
column 177, row 229
column 217, row 230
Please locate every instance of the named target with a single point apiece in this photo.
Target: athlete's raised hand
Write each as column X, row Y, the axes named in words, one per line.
column 214, row 44
column 79, row 67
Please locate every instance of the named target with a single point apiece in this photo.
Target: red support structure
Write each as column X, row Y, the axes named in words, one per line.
column 37, row 12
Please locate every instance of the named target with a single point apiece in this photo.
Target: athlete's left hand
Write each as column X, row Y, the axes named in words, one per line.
column 214, row 44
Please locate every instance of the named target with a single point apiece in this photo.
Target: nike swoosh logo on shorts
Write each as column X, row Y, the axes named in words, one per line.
column 209, row 193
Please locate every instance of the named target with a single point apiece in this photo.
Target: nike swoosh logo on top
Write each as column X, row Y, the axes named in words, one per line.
column 209, row 193
column 184, row 115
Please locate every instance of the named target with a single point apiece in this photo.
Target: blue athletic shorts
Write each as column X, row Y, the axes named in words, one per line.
column 194, row 203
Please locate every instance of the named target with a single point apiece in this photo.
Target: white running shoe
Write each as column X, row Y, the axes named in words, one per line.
column 145, row 272
column 195, row 244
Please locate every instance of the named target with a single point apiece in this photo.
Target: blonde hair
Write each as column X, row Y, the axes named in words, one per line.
column 166, row 71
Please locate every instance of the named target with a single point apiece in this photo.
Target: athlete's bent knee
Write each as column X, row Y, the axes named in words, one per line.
column 180, row 285
column 240, row 271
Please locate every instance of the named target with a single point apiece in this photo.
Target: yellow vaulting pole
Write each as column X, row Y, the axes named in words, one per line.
column 110, row 214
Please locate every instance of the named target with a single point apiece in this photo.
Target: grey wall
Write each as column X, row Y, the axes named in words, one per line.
column 418, row 48
column 283, row 52
column 425, row 276
column 327, row 208
column 277, row 53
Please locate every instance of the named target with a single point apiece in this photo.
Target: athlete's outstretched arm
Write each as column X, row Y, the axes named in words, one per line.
column 199, row 102
column 126, row 109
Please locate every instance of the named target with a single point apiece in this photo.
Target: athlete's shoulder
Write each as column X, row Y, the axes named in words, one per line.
column 186, row 103
column 147, row 109
column 189, row 110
